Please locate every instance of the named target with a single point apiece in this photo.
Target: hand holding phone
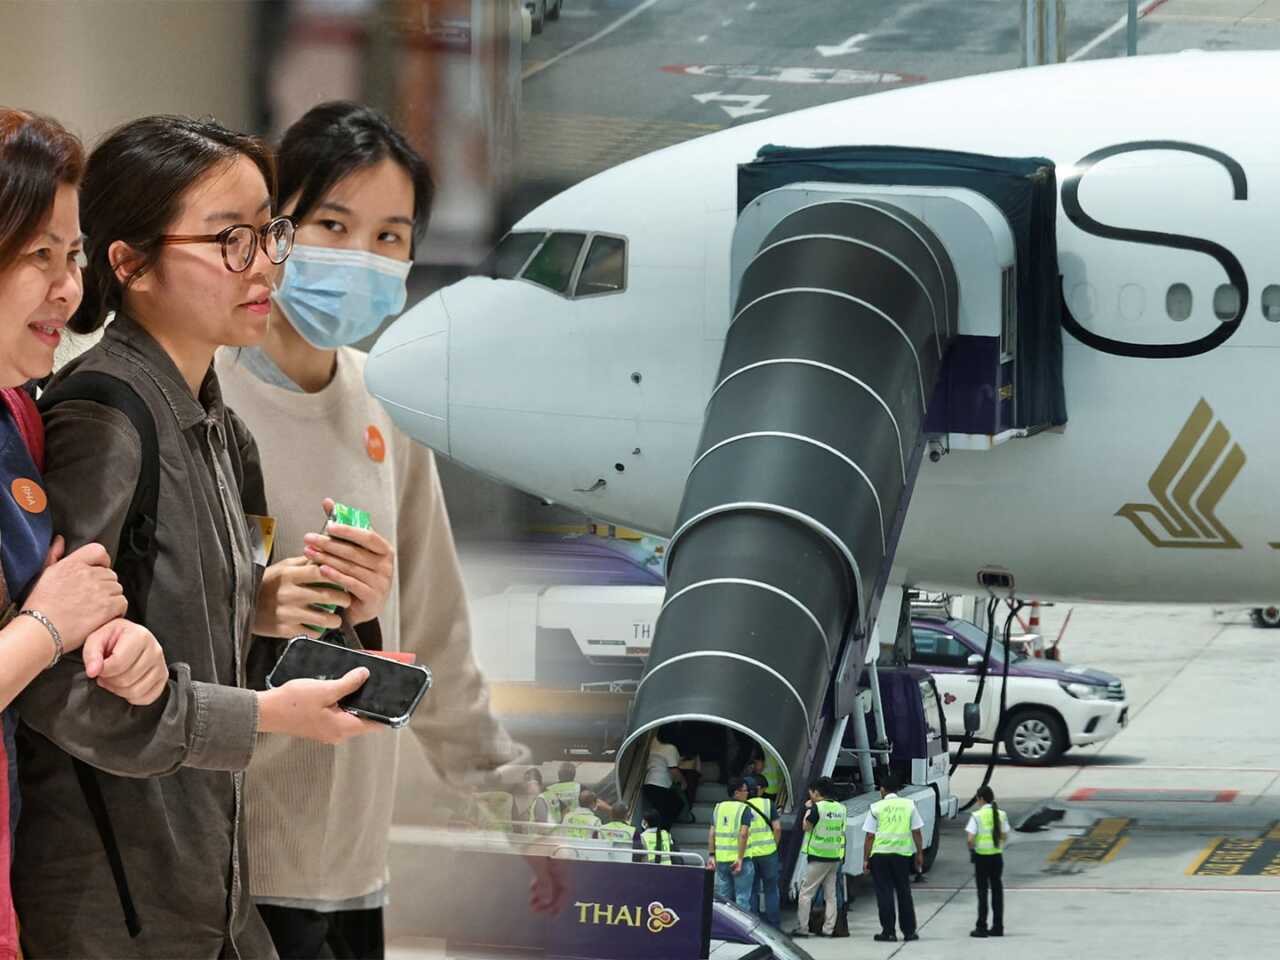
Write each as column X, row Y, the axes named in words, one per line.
column 390, row 695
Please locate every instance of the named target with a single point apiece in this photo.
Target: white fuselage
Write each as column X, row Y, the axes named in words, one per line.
column 541, row 391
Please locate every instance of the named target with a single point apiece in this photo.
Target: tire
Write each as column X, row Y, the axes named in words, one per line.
column 1266, row 617
column 1035, row 737
column 553, row 13
column 539, row 16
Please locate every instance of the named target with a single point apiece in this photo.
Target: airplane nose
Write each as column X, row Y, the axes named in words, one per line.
column 408, row 372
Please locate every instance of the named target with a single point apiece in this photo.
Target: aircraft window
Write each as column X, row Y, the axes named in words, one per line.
column 512, row 254
column 1226, row 302
column 1271, row 303
column 552, row 266
column 1177, row 302
column 605, row 269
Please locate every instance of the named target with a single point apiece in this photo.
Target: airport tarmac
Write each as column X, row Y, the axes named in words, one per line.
column 1168, row 844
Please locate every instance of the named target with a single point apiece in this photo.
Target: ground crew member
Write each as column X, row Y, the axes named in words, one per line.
column 988, row 832
column 727, row 844
column 762, row 848
column 617, row 830
column 893, row 828
column 582, row 822
column 655, row 840
column 566, row 792
column 825, row 820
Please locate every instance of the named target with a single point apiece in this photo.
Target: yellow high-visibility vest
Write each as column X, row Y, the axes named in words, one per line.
column 893, row 831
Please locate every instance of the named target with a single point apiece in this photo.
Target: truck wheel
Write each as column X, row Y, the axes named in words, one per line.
column 1267, row 617
column 554, row 12
column 539, row 16
column 1035, row 737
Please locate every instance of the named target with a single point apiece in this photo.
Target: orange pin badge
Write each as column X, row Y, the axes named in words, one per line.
column 374, row 445
column 29, row 495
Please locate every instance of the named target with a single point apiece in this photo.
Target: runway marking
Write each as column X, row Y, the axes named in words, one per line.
column 843, row 49
column 1240, row 856
column 759, row 73
column 1158, row 795
column 1099, row 845
column 1112, row 30
column 599, row 35
column 735, row 104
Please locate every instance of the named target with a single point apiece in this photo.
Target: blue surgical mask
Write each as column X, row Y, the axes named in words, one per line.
column 337, row 297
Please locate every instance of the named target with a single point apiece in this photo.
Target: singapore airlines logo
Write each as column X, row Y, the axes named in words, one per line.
column 1187, row 485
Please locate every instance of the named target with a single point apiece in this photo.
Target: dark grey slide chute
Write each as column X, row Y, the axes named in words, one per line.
column 808, row 452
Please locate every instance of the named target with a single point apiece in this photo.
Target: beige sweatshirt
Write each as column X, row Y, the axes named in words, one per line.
column 319, row 815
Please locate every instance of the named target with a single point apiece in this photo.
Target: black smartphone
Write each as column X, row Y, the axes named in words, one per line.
column 390, row 695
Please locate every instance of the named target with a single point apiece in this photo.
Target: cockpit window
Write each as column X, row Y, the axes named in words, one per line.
column 552, row 266
column 605, row 269
column 512, row 254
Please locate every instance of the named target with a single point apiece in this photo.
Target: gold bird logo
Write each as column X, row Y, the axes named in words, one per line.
column 1187, row 485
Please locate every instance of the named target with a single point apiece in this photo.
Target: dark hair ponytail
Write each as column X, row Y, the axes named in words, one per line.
column 987, row 795
column 336, row 139
column 133, row 189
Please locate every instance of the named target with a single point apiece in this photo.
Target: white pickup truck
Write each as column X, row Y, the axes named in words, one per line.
column 1051, row 706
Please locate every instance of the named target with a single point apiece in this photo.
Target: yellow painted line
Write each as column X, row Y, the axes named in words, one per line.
column 1273, row 833
column 1205, row 855
column 1063, row 849
column 1111, row 855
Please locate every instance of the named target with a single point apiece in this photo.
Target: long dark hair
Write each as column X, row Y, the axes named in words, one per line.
column 987, row 795
column 133, row 188
column 336, row 139
column 37, row 155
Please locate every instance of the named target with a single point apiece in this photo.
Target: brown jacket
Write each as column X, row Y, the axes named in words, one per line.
column 173, row 781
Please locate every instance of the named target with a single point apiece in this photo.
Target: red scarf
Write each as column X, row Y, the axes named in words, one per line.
column 24, row 413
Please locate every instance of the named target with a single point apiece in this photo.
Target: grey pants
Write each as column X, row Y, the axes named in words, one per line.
column 824, row 874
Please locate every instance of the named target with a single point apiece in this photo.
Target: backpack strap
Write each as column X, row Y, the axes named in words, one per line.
column 135, row 555
column 135, row 561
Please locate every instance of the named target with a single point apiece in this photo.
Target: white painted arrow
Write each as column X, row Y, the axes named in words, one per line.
column 747, row 104
column 849, row 46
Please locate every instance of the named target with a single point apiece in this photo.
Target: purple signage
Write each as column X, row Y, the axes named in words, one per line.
column 568, row 908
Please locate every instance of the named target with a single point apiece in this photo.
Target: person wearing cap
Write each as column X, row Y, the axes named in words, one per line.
column 825, row 821
column 762, row 849
column 727, row 846
column 894, row 838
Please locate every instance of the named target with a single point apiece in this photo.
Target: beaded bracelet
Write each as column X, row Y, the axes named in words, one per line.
column 40, row 618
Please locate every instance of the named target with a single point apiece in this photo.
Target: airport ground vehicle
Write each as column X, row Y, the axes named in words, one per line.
column 1268, row 617
column 1051, row 706
column 542, row 11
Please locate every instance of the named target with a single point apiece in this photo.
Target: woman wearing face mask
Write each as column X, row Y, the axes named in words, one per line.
column 145, row 857
column 360, row 195
column 67, row 601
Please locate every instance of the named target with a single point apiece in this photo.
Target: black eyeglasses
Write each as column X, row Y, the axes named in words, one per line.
column 240, row 242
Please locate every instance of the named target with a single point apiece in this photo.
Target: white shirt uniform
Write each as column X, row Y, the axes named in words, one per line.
column 971, row 828
column 662, row 757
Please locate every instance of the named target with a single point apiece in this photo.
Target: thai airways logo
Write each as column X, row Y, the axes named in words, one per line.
column 655, row 917
column 661, row 918
column 1188, row 484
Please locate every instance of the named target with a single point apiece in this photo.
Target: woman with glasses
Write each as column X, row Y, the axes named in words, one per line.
column 134, row 845
column 65, row 605
column 360, row 196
